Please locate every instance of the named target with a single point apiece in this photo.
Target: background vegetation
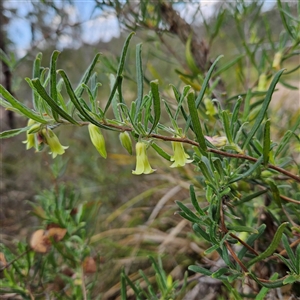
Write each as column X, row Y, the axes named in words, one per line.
column 114, row 221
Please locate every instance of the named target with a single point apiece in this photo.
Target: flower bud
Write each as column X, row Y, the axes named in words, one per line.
column 97, row 139
column 180, row 158
column 126, row 141
column 218, row 141
column 142, row 162
column 53, row 142
column 262, row 82
column 277, row 60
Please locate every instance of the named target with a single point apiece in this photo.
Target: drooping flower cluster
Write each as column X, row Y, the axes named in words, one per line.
column 39, row 135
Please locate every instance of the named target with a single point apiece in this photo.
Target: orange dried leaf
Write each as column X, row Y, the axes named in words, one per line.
column 39, row 241
column 89, row 265
column 3, row 262
column 56, row 233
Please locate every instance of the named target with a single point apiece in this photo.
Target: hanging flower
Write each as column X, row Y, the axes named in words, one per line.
column 51, row 139
column 142, row 162
column 30, row 134
column 97, row 139
column 180, row 158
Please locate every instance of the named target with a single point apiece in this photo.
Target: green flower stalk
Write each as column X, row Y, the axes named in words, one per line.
column 142, row 162
column 180, row 158
column 53, row 142
column 126, row 141
column 97, row 139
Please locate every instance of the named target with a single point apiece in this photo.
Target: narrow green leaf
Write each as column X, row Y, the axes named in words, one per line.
column 13, row 132
column 235, row 112
column 292, row 267
column 232, row 290
column 113, row 91
column 203, row 89
column 239, row 228
column 275, row 193
column 188, row 212
column 251, row 239
column 272, row 247
column 200, row 232
column 123, row 54
column 168, row 110
column 249, row 172
column 298, row 258
column 196, row 122
column 139, row 76
column 42, row 92
column 228, row 65
column 283, row 142
column 251, row 196
column 220, row 272
column 24, row 110
column 77, row 103
column 156, row 103
column 227, row 130
column 219, row 168
column 198, row 269
column 114, row 102
column 195, row 201
column 291, row 279
column 211, row 249
column 189, row 56
column 123, row 287
column 288, row 249
column 181, row 99
column 266, row 143
column 161, row 152
column 284, row 20
column 264, row 108
column 53, row 91
column 36, row 72
column 87, row 75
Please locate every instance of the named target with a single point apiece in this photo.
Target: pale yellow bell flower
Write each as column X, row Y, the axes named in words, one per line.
column 142, row 162
column 180, row 158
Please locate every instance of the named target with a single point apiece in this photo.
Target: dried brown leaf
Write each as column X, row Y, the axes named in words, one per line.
column 89, row 265
column 56, row 233
column 39, row 241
